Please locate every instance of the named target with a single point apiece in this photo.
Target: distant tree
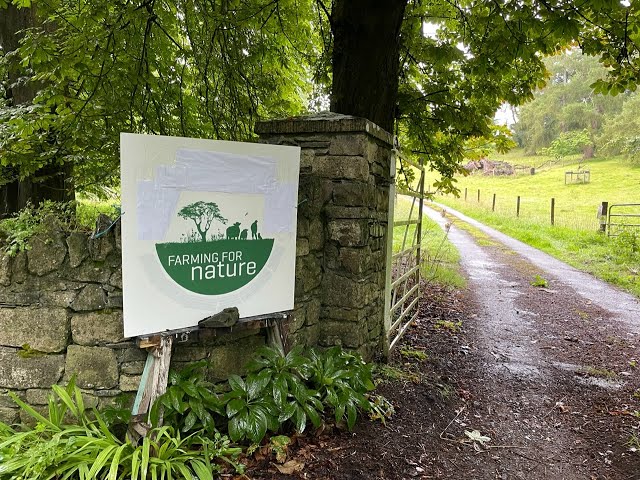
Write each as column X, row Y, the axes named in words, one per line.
column 203, row 214
column 567, row 103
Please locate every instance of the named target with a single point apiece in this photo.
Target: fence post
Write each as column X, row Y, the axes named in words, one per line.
column 493, row 203
column 602, row 216
column 478, row 195
column 553, row 211
column 518, row 207
column 465, row 194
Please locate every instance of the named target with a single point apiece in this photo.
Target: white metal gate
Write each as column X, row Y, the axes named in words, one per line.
column 403, row 250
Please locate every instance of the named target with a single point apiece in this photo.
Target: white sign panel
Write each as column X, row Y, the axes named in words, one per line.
column 206, row 225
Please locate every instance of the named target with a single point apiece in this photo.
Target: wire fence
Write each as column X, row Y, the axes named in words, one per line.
column 549, row 211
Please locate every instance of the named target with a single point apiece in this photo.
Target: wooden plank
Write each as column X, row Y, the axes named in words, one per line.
column 405, row 252
column 406, row 275
column 404, row 298
column 402, row 223
column 404, row 314
column 402, row 330
column 152, row 385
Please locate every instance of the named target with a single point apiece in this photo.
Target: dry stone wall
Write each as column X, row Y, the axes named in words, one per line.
column 343, row 208
column 61, row 315
column 61, row 301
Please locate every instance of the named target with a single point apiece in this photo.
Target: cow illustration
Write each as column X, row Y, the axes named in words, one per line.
column 233, row 232
column 243, row 234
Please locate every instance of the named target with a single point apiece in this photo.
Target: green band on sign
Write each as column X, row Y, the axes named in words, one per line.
column 215, row 267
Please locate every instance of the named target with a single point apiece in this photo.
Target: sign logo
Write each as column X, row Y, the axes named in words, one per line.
column 214, row 264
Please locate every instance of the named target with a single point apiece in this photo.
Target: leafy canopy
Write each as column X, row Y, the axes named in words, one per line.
column 210, row 68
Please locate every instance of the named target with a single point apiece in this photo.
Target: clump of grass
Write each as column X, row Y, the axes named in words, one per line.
column 539, row 281
column 391, row 373
column 598, row 372
column 448, row 325
column 414, row 353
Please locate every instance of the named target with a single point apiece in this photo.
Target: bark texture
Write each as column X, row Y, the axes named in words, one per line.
column 52, row 182
column 366, row 51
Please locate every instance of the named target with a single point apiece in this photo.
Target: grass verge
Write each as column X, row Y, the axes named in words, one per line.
column 441, row 259
column 614, row 260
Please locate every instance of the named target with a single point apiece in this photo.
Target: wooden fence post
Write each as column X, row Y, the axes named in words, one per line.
column 493, row 203
column 478, row 195
column 465, row 194
column 518, row 207
column 553, row 211
column 603, row 216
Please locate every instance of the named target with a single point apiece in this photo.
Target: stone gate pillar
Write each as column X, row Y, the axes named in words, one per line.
column 342, row 227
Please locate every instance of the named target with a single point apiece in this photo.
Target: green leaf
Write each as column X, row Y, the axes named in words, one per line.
column 189, row 421
column 235, row 406
column 352, row 415
column 236, row 383
column 300, row 419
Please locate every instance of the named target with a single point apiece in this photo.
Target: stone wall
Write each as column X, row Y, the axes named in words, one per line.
column 342, row 226
column 61, row 315
column 61, row 302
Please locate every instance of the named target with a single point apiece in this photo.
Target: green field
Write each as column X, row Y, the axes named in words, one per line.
column 576, row 205
column 574, row 237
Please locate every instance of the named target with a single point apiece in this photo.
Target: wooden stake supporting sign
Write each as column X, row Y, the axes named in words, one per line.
column 152, row 385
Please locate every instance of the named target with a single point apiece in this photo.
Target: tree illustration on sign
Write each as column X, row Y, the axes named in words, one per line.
column 203, row 214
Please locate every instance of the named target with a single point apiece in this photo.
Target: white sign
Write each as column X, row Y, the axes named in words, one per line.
column 206, row 225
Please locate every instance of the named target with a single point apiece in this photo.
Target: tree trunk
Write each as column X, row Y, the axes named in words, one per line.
column 51, row 182
column 366, row 58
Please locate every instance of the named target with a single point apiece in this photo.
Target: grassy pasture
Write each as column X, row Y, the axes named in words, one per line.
column 440, row 258
column 574, row 238
column 576, row 205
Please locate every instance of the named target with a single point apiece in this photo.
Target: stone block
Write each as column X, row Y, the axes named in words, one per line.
column 130, row 383
column 114, row 299
column 78, row 248
column 302, row 229
column 316, row 234
column 356, row 260
column 190, row 354
column 19, row 271
column 342, row 291
column 353, row 194
column 38, row 396
column 131, row 354
column 101, row 247
column 340, row 212
column 89, row 272
column 349, row 233
column 337, row 167
column 94, row 367
column 58, row 298
column 94, row 328
column 302, row 247
column 116, row 278
column 313, row 311
column 19, row 299
column 43, row 329
column 7, row 402
column 47, row 253
column 91, row 297
column 349, row 335
column 232, row 358
column 132, row 368
column 348, row 144
column 34, row 371
column 5, row 270
column 308, row 273
column 9, row 416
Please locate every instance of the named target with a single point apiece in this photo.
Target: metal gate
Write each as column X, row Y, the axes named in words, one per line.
column 404, row 236
column 622, row 216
